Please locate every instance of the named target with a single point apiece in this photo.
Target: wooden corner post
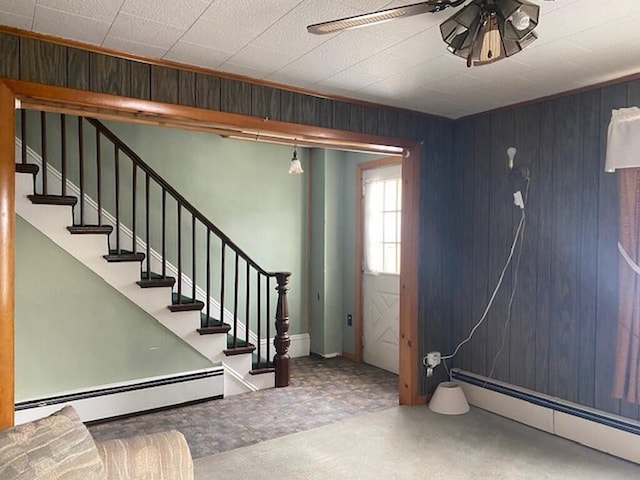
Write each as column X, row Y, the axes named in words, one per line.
column 281, row 342
column 7, row 254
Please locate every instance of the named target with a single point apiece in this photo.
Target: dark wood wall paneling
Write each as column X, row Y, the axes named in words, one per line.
column 522, row 335
column 10, row 48
column 43, row 62
column 78, row 69
column 439, row 252
column 562, row 334
column 39, row 61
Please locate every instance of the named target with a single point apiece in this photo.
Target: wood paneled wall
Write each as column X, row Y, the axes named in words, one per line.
column 35, row 60
column 561, row 337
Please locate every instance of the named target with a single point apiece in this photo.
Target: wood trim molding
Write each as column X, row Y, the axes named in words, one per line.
column 409, row 279
column 349, row 357
column 168, row 115
column 112, row 107
column 7, row 255
column 207, row 71
column 358, row 331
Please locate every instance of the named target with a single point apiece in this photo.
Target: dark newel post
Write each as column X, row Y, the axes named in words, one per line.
column 281, row 341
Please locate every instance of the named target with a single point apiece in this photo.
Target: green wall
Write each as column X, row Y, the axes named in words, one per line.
column 333, row 245
column 243, row 187
column 349, row 175
column 73, row 330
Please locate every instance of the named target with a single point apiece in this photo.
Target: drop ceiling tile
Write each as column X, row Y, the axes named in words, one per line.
column 67, row 25
column 178, row 13
column 335, row 55
column 16, row 21
column 383, row 65
column 244, row 70
column 619, row 32
column 104, row 10
column 300, row 78
column 368, row 6
column 403, row 28
column 552, row 53
column 352, row 79
column 290, row 32
column 24, row 8
column 145, row 31
column 197, row 55
column 124, row 45
column 248, row 15
column 253, row 56
column 228, row 37
column 421, row 47
column 407, row 81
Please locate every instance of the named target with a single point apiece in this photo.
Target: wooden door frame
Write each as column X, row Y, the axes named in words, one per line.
column 358, row 323
column 16, row 93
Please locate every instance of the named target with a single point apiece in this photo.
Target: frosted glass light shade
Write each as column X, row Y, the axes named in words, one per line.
column 295, row 167
column 449, row 399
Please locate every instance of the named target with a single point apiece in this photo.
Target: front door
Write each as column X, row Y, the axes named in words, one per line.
column 382, row 189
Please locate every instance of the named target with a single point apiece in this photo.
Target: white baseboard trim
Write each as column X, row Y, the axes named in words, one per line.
column 300, row 345
column 123, row 398
column 328, row 355
column 593, row 428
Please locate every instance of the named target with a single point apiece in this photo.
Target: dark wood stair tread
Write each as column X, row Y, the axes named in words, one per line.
column 31, row 168
column 261, row 370
column 123, row 256
column 224, row 328
column 239, row 350
column 90, row 229
column 153, row 280
column 53, row 200
column 184, row 304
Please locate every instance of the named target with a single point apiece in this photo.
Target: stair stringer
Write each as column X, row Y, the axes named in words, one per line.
column 53, row 220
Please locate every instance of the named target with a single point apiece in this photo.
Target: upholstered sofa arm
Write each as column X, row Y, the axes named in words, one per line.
column 159, row 456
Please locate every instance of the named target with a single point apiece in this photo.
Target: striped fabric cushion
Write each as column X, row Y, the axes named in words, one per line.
column 58, row 447
column 159, row 456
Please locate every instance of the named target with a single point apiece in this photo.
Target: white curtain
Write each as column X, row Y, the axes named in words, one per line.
column 623, row 139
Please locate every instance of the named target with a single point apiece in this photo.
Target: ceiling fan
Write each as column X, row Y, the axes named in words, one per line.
column 482, row 32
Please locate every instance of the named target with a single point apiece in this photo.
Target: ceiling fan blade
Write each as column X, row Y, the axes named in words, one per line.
column 382, row 16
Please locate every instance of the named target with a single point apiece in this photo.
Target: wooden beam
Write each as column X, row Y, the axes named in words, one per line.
column 409, row 288
column 7, row 257
column 106, row 106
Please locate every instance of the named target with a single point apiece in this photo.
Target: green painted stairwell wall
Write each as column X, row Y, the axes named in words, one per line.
column 74, row 331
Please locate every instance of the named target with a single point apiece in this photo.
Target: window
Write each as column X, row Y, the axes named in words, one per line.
column 382, row 198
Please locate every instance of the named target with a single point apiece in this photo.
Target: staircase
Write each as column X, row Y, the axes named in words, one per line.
column 100, row 202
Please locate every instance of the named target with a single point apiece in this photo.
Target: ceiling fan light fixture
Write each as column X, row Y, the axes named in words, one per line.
column 484, row 32
column 520, row 20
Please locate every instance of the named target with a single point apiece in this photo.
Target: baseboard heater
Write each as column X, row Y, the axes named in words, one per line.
column 596, row 429
column 129, row 397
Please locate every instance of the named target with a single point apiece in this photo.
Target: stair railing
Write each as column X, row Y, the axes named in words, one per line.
column 126, row 207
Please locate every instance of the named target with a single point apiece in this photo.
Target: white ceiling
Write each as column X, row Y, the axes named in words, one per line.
column 403, row 63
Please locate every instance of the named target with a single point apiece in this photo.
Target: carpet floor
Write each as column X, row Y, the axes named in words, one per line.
column 407, row 443
column 321, row 391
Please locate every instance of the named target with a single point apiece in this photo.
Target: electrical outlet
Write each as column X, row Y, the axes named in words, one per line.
column 433, row 359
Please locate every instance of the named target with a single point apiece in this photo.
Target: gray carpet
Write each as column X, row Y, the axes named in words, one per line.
column 320, row 392
column 414, row 443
